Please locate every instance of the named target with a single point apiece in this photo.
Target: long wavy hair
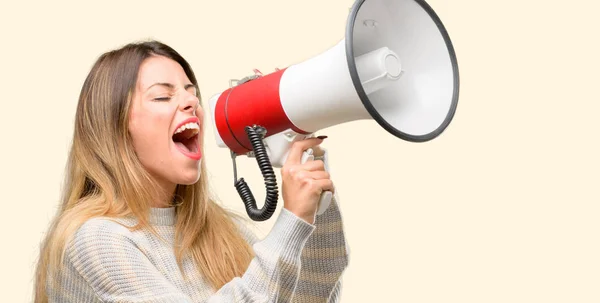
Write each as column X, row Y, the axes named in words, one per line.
column 104, row 177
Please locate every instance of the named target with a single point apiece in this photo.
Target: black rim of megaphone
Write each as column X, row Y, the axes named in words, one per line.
column 365, row 99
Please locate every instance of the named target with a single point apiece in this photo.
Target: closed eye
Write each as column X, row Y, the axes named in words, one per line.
column 162, row 99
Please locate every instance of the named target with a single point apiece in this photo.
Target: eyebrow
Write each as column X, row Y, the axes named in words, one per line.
column 171, row 86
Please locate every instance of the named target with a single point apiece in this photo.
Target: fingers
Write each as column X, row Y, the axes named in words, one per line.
column 306, row 176
column 318, row 180
column 298, row 147
column 318, row 175
column 313, row 165
column 324, row 185
column 300, row 171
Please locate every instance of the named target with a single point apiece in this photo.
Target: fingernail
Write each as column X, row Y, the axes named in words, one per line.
column 322, row 137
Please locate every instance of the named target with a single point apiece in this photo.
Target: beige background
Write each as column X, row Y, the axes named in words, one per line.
column 503, row 207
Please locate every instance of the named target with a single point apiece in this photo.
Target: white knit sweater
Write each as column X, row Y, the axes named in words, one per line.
column 295, row 262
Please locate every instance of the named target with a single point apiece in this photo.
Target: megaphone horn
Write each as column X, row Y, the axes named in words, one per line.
column 396, row 65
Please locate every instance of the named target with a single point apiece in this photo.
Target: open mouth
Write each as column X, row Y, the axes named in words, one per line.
column 186, row 139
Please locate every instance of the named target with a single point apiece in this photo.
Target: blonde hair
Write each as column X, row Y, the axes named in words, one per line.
column 105, row 178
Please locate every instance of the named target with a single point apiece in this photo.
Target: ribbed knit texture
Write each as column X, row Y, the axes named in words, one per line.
column 295, row 262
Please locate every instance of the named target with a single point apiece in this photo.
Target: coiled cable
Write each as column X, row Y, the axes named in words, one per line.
column 264, row 164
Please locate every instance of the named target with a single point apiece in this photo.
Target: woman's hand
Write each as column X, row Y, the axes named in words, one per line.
column 303, row 184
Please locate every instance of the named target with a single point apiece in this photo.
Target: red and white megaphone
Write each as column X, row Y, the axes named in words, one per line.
column 396, row 65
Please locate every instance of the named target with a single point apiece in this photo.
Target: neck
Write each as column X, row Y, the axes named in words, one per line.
column 165, row 195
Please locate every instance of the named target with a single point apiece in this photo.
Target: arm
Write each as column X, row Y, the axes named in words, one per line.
column 273, row 274
column 110, row 263
column 325, row 255
column 323, row 258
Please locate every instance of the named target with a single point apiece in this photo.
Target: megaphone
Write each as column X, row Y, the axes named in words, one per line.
column 396, row 65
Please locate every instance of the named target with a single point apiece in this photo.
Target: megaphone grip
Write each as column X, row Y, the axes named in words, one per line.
column 324, row 202
column 266, row 168
column 326, row 196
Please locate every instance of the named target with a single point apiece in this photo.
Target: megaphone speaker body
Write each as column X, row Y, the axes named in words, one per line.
column 298, row 100
column 396, row 65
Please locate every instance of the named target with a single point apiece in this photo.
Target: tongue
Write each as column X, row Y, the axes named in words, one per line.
column 182, row 146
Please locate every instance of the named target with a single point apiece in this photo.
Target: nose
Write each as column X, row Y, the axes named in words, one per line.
column 189, row 102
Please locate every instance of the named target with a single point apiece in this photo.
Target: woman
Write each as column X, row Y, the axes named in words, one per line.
column 136, row 223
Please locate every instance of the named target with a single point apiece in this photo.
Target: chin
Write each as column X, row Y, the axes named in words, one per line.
column 188, row 178
column 188, row 182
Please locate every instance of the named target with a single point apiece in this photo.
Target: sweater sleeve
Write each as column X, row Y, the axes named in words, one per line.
column 324, row 257
column 273, row 274
column 106, row 257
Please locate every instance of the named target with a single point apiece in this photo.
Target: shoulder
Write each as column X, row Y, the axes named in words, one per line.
column 108, row 260
column 101, row 245
column 103, row 227
column 99, row 236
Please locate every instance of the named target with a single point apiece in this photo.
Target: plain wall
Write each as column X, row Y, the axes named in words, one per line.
column 502, row 207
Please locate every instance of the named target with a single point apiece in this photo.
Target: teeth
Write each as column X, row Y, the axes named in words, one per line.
column 191, row 125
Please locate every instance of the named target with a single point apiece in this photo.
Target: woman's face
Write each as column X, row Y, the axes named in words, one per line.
column 165, row 121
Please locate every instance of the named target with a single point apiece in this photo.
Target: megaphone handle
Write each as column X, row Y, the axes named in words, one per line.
column 326, row 196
